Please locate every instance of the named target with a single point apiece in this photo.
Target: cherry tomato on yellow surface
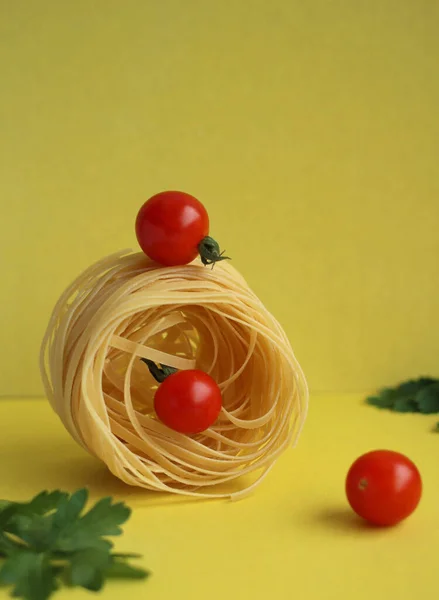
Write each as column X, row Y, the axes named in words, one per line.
column 383, row 487
column 188, row 401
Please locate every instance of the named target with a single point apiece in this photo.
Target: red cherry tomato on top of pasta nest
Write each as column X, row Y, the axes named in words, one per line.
column 172, row 228
column 383, row 487
column 188, row 401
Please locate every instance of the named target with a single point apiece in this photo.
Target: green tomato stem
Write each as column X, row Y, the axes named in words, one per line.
column 210, row 251
column 160, row 373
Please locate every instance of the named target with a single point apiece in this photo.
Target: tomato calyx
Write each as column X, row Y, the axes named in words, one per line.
column 160, row 373
column 210, row 251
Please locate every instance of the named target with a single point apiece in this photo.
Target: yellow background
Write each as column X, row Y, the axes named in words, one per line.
column 309, row 130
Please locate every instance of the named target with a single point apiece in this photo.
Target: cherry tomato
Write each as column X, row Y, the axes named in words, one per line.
column 188, row 401
column 169, row 227
column 383, row 487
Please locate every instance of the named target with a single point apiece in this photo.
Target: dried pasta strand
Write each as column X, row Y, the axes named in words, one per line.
column 125, row 307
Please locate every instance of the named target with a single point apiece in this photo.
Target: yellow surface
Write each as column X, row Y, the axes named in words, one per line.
column 309, row 129
column 294, row 538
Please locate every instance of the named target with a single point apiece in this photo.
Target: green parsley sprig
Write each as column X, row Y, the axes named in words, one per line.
column 415, row 395
column 49, row 542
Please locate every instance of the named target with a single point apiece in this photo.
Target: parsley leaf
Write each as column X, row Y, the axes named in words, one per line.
column 31, row 574
column 49, row 541
column 385, row 399
column 413, row 386
column 88, row 568
column 45, row 501
column 414, row 395
column 86, row 532
column 381, row 401
column 405, row 405
column 122, row 570
column 428, row 399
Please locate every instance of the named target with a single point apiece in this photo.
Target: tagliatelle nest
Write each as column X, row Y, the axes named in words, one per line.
column 126, row 307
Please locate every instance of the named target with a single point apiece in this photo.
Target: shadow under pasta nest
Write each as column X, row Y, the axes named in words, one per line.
column 41, row 463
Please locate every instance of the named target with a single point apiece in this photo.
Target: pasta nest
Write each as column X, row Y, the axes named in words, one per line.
column 126, row 307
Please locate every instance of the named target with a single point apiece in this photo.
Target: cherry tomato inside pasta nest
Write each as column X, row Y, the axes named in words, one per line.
column 383, row 487
column 170, row 226
column 188, row 401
